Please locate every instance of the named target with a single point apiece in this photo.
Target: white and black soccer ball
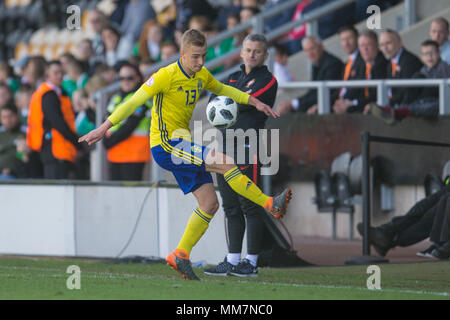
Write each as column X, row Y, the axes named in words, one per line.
column 222, row 112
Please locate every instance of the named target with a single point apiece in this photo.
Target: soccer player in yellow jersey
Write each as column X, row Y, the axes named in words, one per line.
column 175, row 90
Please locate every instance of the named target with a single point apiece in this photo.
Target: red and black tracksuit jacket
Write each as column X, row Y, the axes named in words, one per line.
column 261, row 84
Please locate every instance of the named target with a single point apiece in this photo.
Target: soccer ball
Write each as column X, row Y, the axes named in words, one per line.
column 222, row 112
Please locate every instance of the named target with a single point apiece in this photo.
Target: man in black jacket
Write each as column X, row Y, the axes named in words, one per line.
column 255, row 79
column 348, row 37
column 402, row 64
column 325, row 67
column 374, row 67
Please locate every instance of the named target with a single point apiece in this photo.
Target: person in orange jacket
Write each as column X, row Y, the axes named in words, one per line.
column 51, row 125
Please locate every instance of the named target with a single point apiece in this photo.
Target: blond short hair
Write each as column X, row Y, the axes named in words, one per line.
column 193, row 37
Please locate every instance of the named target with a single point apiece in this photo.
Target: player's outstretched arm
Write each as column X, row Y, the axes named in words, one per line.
column 261, row 106
column 122, row 112
column 96, row 134
column 241, row 97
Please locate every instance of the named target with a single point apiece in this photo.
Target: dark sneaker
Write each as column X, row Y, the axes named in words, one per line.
column 427, row 252
column 179, row 260
column 442, row 252
column 245, row 269
column 277, row 208
column 222, row 269
column 382, row 113
column 378, row 239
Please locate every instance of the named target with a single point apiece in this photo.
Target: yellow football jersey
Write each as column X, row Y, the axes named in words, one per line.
column 175, row 96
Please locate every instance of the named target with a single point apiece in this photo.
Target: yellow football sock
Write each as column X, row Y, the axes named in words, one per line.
column 196, row 227
column 242, row 185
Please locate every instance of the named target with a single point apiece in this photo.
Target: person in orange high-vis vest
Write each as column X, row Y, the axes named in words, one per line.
column 51, row 125
column 128, row 142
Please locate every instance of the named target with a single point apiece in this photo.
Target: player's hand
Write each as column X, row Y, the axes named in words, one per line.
column 96, row 134
column 260, row 106
column 93, row 136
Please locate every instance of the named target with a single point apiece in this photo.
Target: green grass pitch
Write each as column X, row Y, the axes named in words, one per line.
column 45, row 278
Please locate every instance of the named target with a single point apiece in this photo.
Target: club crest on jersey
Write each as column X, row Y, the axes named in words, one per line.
column 180, row 89
column 150, row 81
column 250, row 83
column 199, row 85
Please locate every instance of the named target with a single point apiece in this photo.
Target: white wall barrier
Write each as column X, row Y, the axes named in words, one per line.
column 98, row 220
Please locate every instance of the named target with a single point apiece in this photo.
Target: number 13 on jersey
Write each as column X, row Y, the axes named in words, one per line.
column 191, row 95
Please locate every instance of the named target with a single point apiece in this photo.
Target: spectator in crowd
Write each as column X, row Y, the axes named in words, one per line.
column 255, row 79
column 128, row 142
column 330, row 23
column 84, row 122
column 145, row 64
column 84, row 53
column 10, row 132
column 203, row 24
column 293, row 38
column 65, row 58
column 166, row 15
column 280, row 70
column 247, row 13
column 7, row 77
column 189, row 8
column 97, row 21
column 233, row 19
column 348, row 37
column 233, row 42
column 439, row 32
column 200, row 23
column 137, row 12
column 84, row 114
column 116, row 48
column 325, row 67
column 402, row 64
column 22, row 101
column 6, row 95
column 106, row 73
column 279, row 19
column 416, row 225
column 225, row 12
column 149, row 46
column 51, row 125
column 355, row 99
column 425, row 101
column 76, row 77
column 33, row 72
column 168, row 49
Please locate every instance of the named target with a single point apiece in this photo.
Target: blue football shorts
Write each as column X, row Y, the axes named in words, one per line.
column 185, row 160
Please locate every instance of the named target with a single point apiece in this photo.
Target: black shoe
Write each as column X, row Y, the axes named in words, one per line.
column 222, row 269
column 443, row 252
column 427, row 252
column 245, row 269
column 378, row 239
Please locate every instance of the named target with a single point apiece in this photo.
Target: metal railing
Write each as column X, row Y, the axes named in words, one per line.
column 324, row 87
